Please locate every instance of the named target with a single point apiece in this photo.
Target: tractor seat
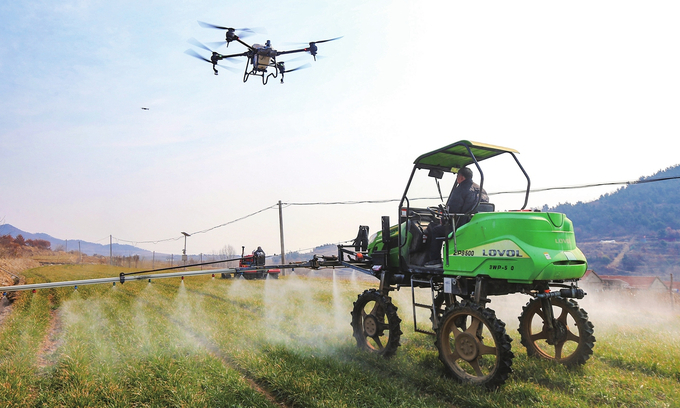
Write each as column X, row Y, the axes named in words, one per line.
column 417, row 236
column 486, row 207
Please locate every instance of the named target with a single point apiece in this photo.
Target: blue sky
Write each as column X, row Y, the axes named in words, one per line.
column 586, row 91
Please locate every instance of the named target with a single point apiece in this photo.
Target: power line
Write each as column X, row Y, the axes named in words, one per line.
column 613, row 183
column 236, row 220
column 198, row 232
column 391, row 200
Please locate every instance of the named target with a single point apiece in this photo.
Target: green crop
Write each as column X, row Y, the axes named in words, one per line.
column 288, row 342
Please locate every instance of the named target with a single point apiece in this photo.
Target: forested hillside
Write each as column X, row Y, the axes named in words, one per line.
column 634, row 230
column 650, row 209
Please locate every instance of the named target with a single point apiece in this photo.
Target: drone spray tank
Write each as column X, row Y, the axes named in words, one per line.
column 263, row 55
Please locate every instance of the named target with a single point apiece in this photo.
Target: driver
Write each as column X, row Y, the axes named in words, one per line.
column 462, row 200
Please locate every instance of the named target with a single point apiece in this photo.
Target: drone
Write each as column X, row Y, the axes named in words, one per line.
column 260, row 58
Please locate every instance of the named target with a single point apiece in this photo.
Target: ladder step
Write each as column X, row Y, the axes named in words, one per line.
column 425, row 332
column 423, row 305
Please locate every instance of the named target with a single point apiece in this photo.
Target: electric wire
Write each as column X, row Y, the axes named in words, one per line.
column 199, row 232
column 391, row 200
column 613, row 183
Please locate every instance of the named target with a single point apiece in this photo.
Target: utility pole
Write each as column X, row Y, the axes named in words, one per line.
column 184, row 251
column 110, row 249
column 283, row 249
column 80, row 253
column 672, row 300
column 153, row 260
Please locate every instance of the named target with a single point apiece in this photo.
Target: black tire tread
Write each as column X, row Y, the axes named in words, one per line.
column 394, row 322
column 586, row 331
column 501, row 339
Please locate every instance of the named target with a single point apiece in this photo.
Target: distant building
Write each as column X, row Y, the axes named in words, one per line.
column 647, row 283
column 592, row 281
column 676, row 285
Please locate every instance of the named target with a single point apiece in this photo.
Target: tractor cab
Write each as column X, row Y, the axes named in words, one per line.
column 517, row 246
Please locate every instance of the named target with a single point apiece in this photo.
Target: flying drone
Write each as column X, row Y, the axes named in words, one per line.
column 260, row 58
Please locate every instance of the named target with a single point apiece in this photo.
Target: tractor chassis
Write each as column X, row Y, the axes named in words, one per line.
column 551, row 324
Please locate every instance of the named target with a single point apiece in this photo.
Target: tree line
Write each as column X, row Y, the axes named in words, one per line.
column 14, row 246
column 650, row 209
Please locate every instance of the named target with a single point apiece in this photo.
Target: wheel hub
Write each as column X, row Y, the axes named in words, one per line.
column 466, row 346
column 370, row 325
column 558, row 334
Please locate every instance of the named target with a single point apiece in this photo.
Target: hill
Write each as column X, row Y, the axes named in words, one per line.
column 87, row 248
column 634, row 230
column 648, row 208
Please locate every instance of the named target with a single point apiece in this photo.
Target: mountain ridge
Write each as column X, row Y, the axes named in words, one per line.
column 87, row 248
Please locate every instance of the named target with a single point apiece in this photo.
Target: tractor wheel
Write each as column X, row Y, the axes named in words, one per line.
column 474, row 346
column 376, row 324
column 570, row 342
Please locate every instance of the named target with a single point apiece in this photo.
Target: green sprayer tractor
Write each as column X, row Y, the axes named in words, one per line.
column 495, row 253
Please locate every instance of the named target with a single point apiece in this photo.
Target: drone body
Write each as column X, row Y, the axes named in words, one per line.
column 260, row 58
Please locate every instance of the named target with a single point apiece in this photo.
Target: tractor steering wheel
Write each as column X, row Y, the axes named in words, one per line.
column 435, row 211
column 440, row 212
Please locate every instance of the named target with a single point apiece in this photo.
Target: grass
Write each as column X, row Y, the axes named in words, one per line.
column 288, row 342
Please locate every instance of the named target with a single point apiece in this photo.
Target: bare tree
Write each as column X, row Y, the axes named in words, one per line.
column 228, row 252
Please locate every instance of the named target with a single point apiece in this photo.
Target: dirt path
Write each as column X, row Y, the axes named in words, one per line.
column 8, row 278
column 619, row 257
column 5, row 309
column 50, row 342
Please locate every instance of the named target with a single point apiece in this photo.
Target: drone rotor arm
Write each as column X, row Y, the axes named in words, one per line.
column 243, row 54
column 244, row 44
column 291, row 51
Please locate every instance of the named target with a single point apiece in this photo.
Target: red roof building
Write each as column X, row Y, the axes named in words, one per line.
column 633, row 282
column 676, row 285
column 591, row 281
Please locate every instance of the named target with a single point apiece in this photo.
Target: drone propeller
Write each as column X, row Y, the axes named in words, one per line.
column 312, row 46
column 323, row 41
column 248, row 31
column 216, row 44
column 199, row 56
column 198, row 44
column 301, row 57
column 231, row 33
column 282, row 67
